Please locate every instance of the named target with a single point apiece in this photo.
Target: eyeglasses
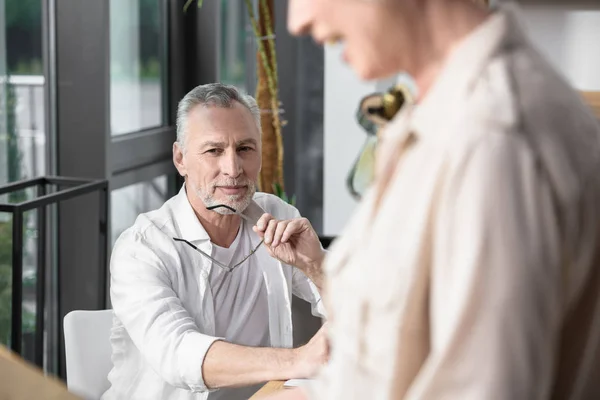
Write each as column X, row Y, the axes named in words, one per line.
column 228, row 268
column 374, row 112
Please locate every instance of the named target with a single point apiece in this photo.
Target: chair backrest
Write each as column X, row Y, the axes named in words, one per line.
column 88, row 352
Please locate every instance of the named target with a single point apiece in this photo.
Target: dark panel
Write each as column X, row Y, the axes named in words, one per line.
column 193, row 48
column 144, row 174
column 141, row 149
column 301, row 74
column 206, row 47
column 301, row 81
column 83, row 125
column 288, row 67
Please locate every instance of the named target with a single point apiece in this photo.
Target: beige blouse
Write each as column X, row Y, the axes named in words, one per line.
column 471, row 269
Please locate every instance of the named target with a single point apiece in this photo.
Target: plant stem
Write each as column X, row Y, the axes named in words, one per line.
column 272, row 80
column 274, row 95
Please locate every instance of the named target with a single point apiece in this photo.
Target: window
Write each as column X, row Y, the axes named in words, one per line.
column 29, row 280
column 136, row 65
column 22, row 148
column 129, row 202
column 234, row 40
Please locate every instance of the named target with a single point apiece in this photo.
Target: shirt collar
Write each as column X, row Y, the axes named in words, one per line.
column 190, row 227
column 462, row 70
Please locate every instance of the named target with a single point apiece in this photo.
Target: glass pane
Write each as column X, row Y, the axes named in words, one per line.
column 5, row 277
column 136, row 97
column 29, row 305
column 233, row 43
column 129, row 202
column 29, row 312
column 22, row 150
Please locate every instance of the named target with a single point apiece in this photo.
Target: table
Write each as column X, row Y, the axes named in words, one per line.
column 269, row 389
column 20, row 380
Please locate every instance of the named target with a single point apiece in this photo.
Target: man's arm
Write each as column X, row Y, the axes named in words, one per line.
column 230, row 365
column 305, row 289
column 314, row 271
column 151, row 312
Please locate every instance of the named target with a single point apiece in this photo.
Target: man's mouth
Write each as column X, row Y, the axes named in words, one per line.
column 233, row 190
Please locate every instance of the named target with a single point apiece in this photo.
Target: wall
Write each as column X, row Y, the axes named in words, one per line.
column 569, row 35
column 567, row 32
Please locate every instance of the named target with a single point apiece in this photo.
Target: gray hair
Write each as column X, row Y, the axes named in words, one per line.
column 213, row 95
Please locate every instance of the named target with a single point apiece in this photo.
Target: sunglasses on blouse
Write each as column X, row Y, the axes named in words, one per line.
column 374, row 112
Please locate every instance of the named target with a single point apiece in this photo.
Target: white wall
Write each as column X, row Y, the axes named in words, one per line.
column 568, row 34
column 343, row 136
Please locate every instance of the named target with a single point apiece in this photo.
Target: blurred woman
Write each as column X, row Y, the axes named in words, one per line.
column 470, row 268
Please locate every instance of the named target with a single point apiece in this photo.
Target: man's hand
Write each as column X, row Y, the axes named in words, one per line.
column 313, row 355
column 293, row 242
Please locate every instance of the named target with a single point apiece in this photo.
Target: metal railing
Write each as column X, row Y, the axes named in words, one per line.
column 74, row 188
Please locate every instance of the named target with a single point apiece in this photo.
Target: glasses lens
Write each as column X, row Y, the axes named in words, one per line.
column 363, row 171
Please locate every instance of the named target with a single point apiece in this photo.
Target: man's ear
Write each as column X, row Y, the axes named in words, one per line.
column 178, row 159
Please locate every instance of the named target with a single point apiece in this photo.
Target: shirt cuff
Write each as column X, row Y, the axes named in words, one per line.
column 193, row 349
column 318, row 309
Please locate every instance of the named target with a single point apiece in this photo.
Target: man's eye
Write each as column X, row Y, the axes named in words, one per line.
column 245, row 148
column 213, row 151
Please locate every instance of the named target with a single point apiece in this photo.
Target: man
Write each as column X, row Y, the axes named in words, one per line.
column 471, row 268
column 199, row 303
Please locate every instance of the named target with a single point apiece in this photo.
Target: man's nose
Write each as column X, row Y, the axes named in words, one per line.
column 231, row 165
column 300, row 15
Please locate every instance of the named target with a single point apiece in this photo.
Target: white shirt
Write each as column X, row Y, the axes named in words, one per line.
column 241, row 303
column 240, row 296
column 471, row 269
column 164, row 306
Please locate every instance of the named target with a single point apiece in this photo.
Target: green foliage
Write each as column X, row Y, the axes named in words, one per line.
column 278, row 191
column 30, row 67
column 150, row 69
column 14, row 160
column 23, row 21
column 5, row 281
column 28, row 318
column 25, row 14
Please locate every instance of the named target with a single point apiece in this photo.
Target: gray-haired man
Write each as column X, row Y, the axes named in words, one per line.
column 199, row 303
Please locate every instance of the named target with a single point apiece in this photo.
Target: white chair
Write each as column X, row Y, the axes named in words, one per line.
column 88, row 352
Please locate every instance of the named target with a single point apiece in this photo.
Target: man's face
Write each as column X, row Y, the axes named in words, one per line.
column 221, row 157
column 370, row 30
